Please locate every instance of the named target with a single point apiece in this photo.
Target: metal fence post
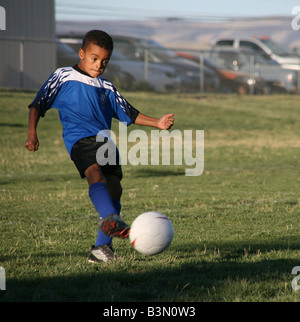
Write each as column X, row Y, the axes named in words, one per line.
column 201, row 72
column 252, row 73
column 146, row 65
column 298, row 83
column 22, row 63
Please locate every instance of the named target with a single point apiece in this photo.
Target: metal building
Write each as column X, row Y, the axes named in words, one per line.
column 27, row 43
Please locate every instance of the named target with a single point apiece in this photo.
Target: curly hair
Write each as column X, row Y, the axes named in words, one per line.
column 97, row 37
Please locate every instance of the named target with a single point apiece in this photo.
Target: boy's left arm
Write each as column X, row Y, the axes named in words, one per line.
column 163, row 123
column 32, row 142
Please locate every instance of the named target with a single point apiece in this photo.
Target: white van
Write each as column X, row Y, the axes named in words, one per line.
column 264, row 46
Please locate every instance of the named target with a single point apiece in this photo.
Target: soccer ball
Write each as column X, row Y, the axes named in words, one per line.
column 151, row 233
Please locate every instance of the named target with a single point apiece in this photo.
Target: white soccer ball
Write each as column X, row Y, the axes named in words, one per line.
column 151, row 233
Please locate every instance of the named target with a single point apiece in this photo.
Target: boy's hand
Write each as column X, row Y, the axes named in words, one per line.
column 32, row 143
column 166, row 122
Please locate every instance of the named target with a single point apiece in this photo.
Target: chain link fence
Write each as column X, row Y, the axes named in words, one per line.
column 146, row 65
column 26, row 63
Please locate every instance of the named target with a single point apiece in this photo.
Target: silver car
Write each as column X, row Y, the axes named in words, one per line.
column 263, row 46
column 136, row 74
column 190, row 73
column 279, row 79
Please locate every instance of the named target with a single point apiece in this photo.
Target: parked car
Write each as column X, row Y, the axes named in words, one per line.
column 129, row 74
column 246, row 60
column 231, row 81
column 263, row 46
column 150, row 51
column 158, row 77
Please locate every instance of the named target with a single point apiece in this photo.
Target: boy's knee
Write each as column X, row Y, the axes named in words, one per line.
column 94, row 174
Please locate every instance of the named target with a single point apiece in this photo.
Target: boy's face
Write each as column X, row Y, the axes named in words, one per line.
column 94, row 59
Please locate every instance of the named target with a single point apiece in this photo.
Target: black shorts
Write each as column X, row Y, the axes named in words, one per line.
column 84, row 153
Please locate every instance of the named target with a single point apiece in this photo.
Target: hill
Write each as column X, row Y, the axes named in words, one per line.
column 191, row 34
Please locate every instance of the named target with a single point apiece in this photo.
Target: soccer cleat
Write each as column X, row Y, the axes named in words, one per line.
column 114, row 226
column 102, row 253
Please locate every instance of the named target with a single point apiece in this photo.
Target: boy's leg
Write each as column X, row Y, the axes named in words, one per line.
column 114, row 188
column 105, row 194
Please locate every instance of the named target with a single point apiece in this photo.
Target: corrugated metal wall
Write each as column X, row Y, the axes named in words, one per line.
column 27, row 46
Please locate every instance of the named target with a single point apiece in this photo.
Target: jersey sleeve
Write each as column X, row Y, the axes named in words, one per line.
column 46, row 95
column 123, row 110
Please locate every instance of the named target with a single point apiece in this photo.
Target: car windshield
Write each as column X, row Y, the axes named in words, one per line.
column 158, row 50
column 276, row 49
column 64, row 48
column 117, row 55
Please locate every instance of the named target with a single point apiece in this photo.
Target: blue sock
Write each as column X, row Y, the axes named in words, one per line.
column 104, row 205
column 102, row 238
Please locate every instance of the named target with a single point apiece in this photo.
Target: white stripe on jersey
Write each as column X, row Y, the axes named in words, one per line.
column 65, row 74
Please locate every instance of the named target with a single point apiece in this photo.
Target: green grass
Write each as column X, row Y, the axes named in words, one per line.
column 237, row 232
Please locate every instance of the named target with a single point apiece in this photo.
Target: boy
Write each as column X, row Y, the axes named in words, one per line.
column 87, row 103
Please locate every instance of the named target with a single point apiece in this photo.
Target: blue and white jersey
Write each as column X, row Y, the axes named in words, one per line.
column 86, row 105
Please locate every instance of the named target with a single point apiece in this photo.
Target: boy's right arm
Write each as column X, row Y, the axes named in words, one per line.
column 32, row 142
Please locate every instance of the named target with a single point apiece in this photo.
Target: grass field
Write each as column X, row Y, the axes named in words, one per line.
column 237, row 231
